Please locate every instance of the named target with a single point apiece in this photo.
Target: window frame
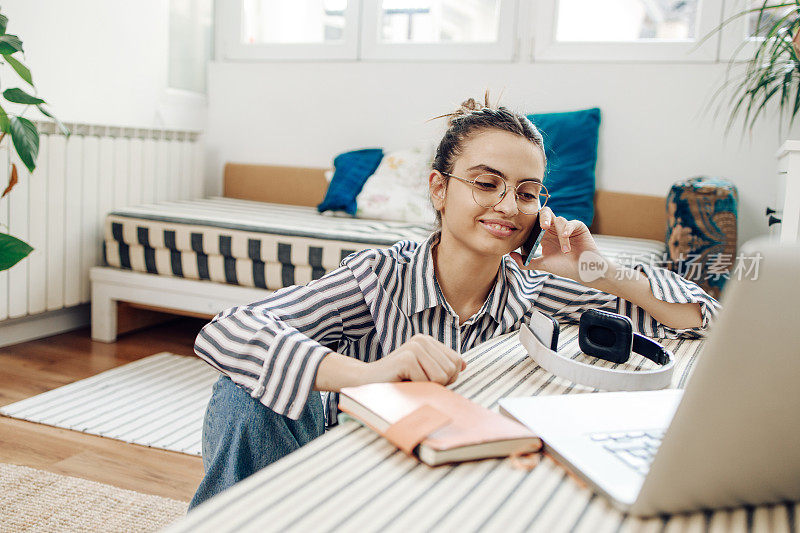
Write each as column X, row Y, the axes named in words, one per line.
column 503, row 50
column 230, row 48
column 545, row 48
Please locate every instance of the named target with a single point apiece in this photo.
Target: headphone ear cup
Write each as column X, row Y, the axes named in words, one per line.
column 605, row 335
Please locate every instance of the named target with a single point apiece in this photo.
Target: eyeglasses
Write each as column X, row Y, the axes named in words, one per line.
column 488, row 190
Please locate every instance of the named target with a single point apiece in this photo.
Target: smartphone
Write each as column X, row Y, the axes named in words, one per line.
column 531, row 244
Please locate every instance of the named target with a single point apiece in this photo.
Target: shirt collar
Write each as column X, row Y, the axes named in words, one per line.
column 423, row 292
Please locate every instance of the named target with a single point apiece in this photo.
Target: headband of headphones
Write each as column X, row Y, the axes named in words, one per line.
column 604, row 335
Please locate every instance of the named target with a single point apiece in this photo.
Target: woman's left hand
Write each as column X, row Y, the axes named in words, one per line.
column 562, row 245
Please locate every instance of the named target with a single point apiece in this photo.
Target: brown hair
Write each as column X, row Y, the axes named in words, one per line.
column 471, row 118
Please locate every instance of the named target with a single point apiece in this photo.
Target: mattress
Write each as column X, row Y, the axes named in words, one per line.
column 270, row 246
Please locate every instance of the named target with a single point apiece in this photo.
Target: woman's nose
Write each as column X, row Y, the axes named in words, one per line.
column 507, row 204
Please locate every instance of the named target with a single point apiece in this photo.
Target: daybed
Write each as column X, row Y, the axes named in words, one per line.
column 199, row 257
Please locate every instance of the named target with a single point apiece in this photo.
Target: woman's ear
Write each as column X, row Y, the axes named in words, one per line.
column 438, row 189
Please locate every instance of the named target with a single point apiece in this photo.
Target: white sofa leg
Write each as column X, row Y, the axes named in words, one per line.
column 104, row 314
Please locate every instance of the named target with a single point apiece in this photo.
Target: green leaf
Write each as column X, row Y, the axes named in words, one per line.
column 20, row 69
column 12, row 251
column 5, row 124
column 10, row 44
column 3, row 24
column 18, row 96
column 61, row 126
column 26, row 140
column 769, row 93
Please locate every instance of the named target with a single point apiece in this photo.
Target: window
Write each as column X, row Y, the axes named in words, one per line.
column 277, row 21
column 652, row 30
column 741, row 35
column 387, row 29
column 288, row 29
column 472, row 30
column 625, row 20
column 438, row 29
column 767, row 20
column 442, row 21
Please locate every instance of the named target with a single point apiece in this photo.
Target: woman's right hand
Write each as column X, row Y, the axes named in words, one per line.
column 421, row 358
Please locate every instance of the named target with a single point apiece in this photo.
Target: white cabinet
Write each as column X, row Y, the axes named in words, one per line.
column 788, row 199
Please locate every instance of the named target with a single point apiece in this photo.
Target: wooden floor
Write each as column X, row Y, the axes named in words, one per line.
column 34, row 367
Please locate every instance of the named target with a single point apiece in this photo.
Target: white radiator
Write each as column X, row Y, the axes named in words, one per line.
column 59, row 209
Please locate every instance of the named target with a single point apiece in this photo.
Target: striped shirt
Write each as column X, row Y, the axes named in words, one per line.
column 378, row 298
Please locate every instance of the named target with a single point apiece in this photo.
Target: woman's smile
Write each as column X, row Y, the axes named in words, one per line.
column 499, row 227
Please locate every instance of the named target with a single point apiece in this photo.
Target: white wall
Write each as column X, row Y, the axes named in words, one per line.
column 653, row 130
column 99, row 61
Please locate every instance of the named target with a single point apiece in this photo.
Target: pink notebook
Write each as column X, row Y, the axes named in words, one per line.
column 439, row 425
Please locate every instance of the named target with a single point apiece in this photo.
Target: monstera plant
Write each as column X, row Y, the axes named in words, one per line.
column 24, row 136
column 772, row 72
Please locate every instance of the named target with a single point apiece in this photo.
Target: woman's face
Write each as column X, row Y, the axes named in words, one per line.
column 490, row 231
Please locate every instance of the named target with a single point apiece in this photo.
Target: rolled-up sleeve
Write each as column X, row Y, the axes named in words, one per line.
column 668, row 286
column 566, row 299
column 272, row 348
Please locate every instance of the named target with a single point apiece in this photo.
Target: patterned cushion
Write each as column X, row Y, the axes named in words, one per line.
column 701, row 230
column 398, row 190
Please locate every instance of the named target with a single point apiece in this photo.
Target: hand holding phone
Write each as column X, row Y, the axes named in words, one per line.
column 531, row 244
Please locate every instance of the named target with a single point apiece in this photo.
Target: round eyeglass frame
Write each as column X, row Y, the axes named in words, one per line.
column 543, row 194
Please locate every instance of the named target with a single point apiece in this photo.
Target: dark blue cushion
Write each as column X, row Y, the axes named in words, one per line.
column 351, row 170
column 570, row 144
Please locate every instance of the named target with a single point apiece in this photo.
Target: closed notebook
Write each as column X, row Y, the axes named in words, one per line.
column 446, row 426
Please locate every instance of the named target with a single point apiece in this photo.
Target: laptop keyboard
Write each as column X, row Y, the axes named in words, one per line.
column 634, row 448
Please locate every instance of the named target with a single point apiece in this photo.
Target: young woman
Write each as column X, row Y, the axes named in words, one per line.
column 408, row 312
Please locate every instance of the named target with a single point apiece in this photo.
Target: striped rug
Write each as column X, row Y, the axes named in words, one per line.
column 158, row 401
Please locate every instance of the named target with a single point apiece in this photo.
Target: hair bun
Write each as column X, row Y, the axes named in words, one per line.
column 469, row 107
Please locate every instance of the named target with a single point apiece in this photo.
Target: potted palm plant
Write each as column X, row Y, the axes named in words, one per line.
column 23, row 133
column 772, row 73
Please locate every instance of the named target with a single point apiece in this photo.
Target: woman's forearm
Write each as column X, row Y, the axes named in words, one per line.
column 336, row 371
column 633, row 285
column 421, row 358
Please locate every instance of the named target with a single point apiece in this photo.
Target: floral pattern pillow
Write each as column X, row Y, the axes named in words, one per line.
column 398, row 189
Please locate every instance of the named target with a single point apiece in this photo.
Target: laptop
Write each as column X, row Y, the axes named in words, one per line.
column 732, row 437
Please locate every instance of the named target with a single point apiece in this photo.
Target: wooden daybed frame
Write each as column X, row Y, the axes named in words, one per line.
column 123, row 300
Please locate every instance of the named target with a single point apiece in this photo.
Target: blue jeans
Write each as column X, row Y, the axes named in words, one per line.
column 241, row 436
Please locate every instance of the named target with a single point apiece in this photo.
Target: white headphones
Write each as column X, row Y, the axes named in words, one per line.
column 604, row 335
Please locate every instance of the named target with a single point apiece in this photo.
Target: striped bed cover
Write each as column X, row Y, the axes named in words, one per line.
column 263, row 245
column 350, row 479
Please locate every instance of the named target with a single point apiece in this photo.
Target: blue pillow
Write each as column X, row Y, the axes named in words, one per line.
column 351, row 172
column 570, row 144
